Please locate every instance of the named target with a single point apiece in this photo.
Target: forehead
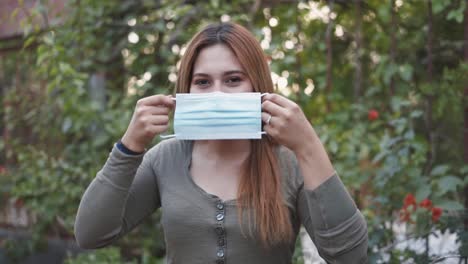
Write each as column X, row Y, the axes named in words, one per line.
column 216, row 59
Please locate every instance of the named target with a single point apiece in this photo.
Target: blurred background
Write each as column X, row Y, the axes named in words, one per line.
column 384, row 83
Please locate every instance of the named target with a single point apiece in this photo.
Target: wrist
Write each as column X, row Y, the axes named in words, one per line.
column 308, row 146
column 315, row 163
column 131, row 147
column 306, row 150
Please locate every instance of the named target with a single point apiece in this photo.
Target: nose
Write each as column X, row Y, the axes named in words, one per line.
column 217, row 86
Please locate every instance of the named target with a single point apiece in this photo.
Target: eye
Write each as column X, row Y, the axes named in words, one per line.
column 201, row 82
column 233, row 80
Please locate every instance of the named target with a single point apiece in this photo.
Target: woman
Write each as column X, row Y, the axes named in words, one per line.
column 224, row 201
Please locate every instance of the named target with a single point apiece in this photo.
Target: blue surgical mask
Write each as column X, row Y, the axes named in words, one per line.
column 218, row 115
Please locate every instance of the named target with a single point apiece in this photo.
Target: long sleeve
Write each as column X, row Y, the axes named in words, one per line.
column 331, row 218
column 334, row 223
column 122, row 194
column 328, row 213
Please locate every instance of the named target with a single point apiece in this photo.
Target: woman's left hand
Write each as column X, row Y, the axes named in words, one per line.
column 289, row 127
column 285, row 122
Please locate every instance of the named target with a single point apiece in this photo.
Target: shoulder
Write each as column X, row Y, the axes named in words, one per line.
column 168, row 150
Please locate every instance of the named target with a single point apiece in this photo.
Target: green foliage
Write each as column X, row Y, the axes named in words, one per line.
column 17, row 250
column 105, row 256
column 62, row 131
column 48, row 186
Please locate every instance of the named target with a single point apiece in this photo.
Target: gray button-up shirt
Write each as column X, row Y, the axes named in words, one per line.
column 198, row 226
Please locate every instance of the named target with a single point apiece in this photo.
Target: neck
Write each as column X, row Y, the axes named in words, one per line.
column 225, row 149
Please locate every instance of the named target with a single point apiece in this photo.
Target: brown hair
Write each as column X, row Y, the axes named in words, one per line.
column 260, row 185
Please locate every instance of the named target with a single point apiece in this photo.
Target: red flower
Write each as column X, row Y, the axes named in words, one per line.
column 426, row 203
column 436, row 213
column 2, row 170
column 409, row 200
column 372, row 115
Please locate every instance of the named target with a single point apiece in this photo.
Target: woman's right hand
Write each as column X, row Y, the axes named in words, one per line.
column 150, row 118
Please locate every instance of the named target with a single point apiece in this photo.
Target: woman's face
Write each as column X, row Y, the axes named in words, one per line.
column 217, row 69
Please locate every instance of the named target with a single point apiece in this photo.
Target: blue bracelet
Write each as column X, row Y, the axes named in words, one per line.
column 125, row 150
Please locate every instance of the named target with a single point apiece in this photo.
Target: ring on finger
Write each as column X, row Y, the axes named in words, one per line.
column 268, row 120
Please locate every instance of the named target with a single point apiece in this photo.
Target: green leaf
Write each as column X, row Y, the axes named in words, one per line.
column 409, row 135
column 215, row 3
column 427, row 89
column 440, row 170
column 423, row 191
column 333, row 146
column 48, row 39
column 67, row 124
column 42, row 57
column 416, row 113
column 384, row 13
column 439, row 5
column 65, row 67
column 30, row 40
column 449, row 183
column 457, row 14
column 406, row 72
column 391, row 70
column 450, row 205
column 14, row 14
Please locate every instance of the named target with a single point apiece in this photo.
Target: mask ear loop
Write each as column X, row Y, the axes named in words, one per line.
column 167, row 136
column 263, row 132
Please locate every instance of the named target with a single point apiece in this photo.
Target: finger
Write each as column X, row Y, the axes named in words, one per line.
column 279, row 100
column 153, row 130
column 157, row 110
column 272, row 108
column 158, row 129
column 270, row 130
column 156, row 100
column 144, row 110
column 265, row 117
column 158, row 120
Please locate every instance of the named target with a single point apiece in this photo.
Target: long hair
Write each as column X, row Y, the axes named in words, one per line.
column 259, row 194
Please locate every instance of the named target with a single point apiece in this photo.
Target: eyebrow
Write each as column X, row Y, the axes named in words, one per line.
column 224, row 73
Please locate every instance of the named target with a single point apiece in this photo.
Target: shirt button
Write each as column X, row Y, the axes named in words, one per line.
column 220, row 206
column 219, row 230
column 220, row 261
column 220, row 253
column 220, row 217
column 220, row 242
